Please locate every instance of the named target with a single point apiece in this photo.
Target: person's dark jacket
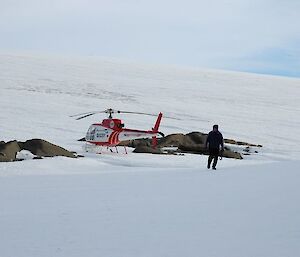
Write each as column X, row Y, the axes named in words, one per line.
column 214, row 140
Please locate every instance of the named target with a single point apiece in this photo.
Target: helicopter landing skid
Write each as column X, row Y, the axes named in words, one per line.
column 91, row 148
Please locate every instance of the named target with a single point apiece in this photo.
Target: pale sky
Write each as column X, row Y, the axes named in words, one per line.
column 260, row 36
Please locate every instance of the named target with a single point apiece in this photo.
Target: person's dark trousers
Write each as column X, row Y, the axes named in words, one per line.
column 213, row 155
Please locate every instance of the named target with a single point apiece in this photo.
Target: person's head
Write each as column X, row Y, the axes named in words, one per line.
column 215, row 127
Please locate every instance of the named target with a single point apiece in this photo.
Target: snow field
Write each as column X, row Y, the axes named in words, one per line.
column 148, row 205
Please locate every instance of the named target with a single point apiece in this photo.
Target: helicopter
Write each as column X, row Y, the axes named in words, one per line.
column 112, row 131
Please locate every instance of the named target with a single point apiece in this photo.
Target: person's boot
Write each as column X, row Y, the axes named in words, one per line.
column 214, row 168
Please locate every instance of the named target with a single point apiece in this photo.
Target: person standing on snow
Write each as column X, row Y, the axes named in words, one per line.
column 213, row 142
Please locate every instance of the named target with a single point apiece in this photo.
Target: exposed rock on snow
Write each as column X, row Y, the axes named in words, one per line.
column 37, row 147
column 43, row 148
column 172, row 140
column 147, row 149
column 233, row 142
column 8, row 151
column 193, row 142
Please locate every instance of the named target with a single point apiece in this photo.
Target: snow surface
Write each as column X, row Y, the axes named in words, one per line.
column 140, row 204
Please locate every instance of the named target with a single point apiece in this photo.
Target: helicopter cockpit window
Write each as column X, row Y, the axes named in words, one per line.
column 92, row 130
column 90, row 135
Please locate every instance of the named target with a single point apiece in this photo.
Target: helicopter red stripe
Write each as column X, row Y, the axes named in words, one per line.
column 117, row 137
column 114, row 138
column 110, row 138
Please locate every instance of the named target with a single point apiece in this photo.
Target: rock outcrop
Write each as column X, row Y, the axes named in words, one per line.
column 38, row 147
column 147, row 149
column 8, row 151
column 193, row 142
column 43, row 148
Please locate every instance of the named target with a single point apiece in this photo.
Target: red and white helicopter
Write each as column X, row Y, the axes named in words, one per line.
column 111, row 131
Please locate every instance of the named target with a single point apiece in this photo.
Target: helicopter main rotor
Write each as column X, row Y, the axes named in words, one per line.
column 110, row 112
